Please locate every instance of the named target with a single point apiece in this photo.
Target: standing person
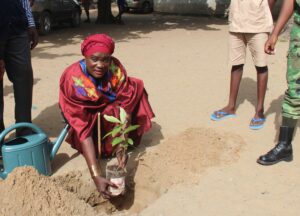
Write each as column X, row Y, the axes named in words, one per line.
column 99, row 84
column 283, row 151
column 18, row 36
column 121, row 7
column 86, row 6
column 249, row 25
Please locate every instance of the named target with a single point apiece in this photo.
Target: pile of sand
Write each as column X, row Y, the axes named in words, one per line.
column 179, row 160
column 25, row 192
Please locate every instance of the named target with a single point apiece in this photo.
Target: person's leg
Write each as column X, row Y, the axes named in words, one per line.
column 118, row 17
column 86, row 7
column 283, row 151
column 2, row 127
column 262, row 81
column 237, row 52
column 2, row 71
column 289, row 122
column 121, row 11
column 290, row 110
column 235, row 80
column 19, row 72
column 256, row 44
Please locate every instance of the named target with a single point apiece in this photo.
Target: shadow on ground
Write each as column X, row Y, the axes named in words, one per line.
column 50, row 120
column 8, row 89
column 136, row 26
column 248, row 93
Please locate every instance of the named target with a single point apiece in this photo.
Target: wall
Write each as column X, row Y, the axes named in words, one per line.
column 196, row 7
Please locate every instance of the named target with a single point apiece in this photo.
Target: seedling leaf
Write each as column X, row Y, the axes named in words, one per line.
column 106, row 135
column 130, row 141
column 112, row 119
column 116, row 130
column 116, row 141
column 131, row 128
column 123, row 115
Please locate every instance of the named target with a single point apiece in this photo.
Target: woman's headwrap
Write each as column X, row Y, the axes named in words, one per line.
column 97, row 43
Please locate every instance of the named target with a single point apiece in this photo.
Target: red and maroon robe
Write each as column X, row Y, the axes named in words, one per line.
column 81, row 99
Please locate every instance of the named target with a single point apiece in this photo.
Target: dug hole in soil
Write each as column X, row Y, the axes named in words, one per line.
column 181, row 159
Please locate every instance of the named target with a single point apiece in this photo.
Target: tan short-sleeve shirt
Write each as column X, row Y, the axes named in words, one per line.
column 250, row 16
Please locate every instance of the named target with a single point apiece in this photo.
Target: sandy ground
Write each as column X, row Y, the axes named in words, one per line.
column 187, row 164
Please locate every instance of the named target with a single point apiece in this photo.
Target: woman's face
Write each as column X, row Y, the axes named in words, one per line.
column 97, row 64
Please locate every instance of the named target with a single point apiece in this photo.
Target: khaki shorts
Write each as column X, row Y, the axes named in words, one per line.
column 255, row 41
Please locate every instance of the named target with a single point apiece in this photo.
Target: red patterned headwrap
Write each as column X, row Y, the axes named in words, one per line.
column 97, row 43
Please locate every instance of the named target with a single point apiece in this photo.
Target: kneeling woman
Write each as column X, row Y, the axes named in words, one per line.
column 99, row 84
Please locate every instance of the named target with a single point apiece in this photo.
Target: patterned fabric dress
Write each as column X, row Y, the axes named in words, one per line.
column 291, row 102
column 82, row 97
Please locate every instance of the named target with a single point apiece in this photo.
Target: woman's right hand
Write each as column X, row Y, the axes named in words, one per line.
column 270, row 45
column 102, row 185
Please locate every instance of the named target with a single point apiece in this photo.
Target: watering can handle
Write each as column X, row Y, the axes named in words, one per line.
column 19, row 125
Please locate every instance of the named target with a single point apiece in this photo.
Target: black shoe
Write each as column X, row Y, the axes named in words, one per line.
column 279, row 153
column 87, row 21
column 283, row 151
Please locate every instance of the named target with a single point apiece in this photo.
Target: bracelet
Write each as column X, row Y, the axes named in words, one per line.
column 95, row 170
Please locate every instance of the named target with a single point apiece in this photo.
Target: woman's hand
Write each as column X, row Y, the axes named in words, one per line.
column 102, row 185
column 122, row 157
column 270, row 45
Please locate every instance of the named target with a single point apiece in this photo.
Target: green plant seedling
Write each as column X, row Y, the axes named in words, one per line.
column 121, row 129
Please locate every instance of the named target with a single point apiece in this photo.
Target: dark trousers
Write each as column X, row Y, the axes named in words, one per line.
column 18, row 67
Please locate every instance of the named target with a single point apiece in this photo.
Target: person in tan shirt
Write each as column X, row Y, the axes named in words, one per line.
column 250, row 22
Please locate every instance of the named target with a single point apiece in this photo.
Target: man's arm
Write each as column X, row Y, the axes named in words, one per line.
column 271, row 4
column 26, row 6
column 33, row 35
column 286, row 12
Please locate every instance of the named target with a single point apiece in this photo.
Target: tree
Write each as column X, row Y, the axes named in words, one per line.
column 104, row 12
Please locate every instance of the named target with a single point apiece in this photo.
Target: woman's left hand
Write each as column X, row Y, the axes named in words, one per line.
column 122, row 156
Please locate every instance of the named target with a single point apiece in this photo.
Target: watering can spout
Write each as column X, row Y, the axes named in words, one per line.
column 59, row 141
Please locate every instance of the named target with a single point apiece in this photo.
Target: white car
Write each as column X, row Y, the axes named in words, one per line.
column 145, row 6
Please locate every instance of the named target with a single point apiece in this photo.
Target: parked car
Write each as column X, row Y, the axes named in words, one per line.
column 49, row 12
column 145, row 6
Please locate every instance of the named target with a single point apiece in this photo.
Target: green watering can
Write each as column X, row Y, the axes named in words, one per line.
column 31, row 150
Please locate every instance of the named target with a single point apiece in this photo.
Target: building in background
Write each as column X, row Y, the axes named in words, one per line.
column 198, row 7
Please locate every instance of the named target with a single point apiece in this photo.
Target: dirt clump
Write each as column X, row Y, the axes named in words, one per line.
column 181, row 159
column 26, row 192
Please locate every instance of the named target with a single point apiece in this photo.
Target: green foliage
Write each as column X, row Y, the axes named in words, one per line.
column 123, row 115
column 117, row 141
column 111, row 119
column 131, row 128
column 121, row 129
